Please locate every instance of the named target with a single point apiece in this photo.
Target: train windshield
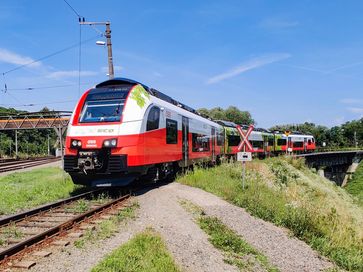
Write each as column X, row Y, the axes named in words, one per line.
column 102, row 111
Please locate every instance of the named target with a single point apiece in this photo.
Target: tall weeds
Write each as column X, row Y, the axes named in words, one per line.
column 285, row 192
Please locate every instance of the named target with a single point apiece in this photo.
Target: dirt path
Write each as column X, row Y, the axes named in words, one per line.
column 160, row 209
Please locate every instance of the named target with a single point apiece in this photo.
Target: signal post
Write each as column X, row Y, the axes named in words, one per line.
column 247, row 148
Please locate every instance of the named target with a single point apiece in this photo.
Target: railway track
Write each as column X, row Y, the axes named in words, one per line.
column 21, row 164
column 21, row 233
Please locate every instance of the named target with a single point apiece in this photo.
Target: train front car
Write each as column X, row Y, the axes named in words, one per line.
column 123, row 131
column 106, row 121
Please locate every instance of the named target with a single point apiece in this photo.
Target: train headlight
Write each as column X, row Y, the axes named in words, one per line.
column 110, row 143
column 76, row 143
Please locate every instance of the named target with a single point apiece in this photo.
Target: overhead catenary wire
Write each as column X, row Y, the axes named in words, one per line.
column 42, row 87
column 80, row 18
column 37, row 104
column 75, row 12
column 79, row 60
column 50, row 55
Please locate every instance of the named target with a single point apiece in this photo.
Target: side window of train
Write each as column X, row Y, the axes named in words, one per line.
column 270, row 141
column 220, row 138
column 281, row 142
column 153, row 119
column 200, row 142
column 171, row 131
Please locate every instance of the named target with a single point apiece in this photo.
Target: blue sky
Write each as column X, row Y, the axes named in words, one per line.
column 284, row 61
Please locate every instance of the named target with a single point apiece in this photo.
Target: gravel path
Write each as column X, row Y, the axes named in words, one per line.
column 160, row 209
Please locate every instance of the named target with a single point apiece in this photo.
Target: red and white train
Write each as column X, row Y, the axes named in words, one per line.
column 122, row 130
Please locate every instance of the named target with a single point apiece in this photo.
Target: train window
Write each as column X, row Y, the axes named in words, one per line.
column 298, row 144
column 270, row 141
column 153, row 119
column 102, row 111
column 234, row 140
column 257, row 144
column 171, row 131
column 220, row 138
column 281, row 142
column 200, row 142
column 309, row 142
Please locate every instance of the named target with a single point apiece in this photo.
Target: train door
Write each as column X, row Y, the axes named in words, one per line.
column 289, row 143
column 305, row 144
column 185, row 141
column 213, row 133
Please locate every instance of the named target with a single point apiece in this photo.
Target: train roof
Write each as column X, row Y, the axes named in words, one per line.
column 226, row 123
column 125, row 81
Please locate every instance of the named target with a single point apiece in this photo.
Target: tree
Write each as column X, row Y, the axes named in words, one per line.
column 232, row 114
column 239, row 117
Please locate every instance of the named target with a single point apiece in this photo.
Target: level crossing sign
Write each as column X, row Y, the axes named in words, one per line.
column 245, row 142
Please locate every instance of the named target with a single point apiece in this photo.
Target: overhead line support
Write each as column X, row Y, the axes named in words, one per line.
column 107, row 34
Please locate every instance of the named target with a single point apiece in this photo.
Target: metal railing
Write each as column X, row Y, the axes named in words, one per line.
column 35, row 120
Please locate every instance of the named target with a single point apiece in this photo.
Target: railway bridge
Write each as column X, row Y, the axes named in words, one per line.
column 336, row 166
column 57, row 120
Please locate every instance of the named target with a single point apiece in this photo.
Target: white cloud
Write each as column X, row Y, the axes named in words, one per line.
column 68, row 74
column 356, row 110
column 248, row 65
column 277, row 23
column 351, row 101
column 13, row 58
column 157, row 74
column 116, row 68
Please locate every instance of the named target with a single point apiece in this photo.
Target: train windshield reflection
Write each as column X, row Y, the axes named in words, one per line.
column 102, row 111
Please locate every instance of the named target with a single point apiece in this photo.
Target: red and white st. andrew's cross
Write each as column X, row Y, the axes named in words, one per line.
column 245, row 141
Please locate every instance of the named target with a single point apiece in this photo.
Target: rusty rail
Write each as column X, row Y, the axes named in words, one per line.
column 64, row 226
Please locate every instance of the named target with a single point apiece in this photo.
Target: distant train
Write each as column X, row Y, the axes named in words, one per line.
column 122, row 130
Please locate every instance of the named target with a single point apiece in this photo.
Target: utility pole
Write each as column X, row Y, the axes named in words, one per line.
column 107, row 34
column 48, row 146
column 16, row 143
column 355, row 139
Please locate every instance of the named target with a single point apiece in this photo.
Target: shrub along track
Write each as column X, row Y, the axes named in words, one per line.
column 21, row 233
column 12, row 165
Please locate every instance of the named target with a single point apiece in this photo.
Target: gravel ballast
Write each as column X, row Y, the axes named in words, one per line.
column 160, row 209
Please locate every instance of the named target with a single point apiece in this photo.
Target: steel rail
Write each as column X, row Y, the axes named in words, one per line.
column 20, row 216
column 24, row 165
column 58, row 229
column 15, row 162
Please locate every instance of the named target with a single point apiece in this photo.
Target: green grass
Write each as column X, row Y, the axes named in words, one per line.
column 285, row 192
column 108, row 227
column 237, row 251
column 355, row 185
column 10, row 232
column 145, row 252
column 80, row 206
column 19, row 191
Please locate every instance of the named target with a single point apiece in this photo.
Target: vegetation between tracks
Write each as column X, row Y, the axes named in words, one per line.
column 237, row 251
column 285, row 192
column 145, row 252
column 108, row 227
column 25, row 190
column 355, row 185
